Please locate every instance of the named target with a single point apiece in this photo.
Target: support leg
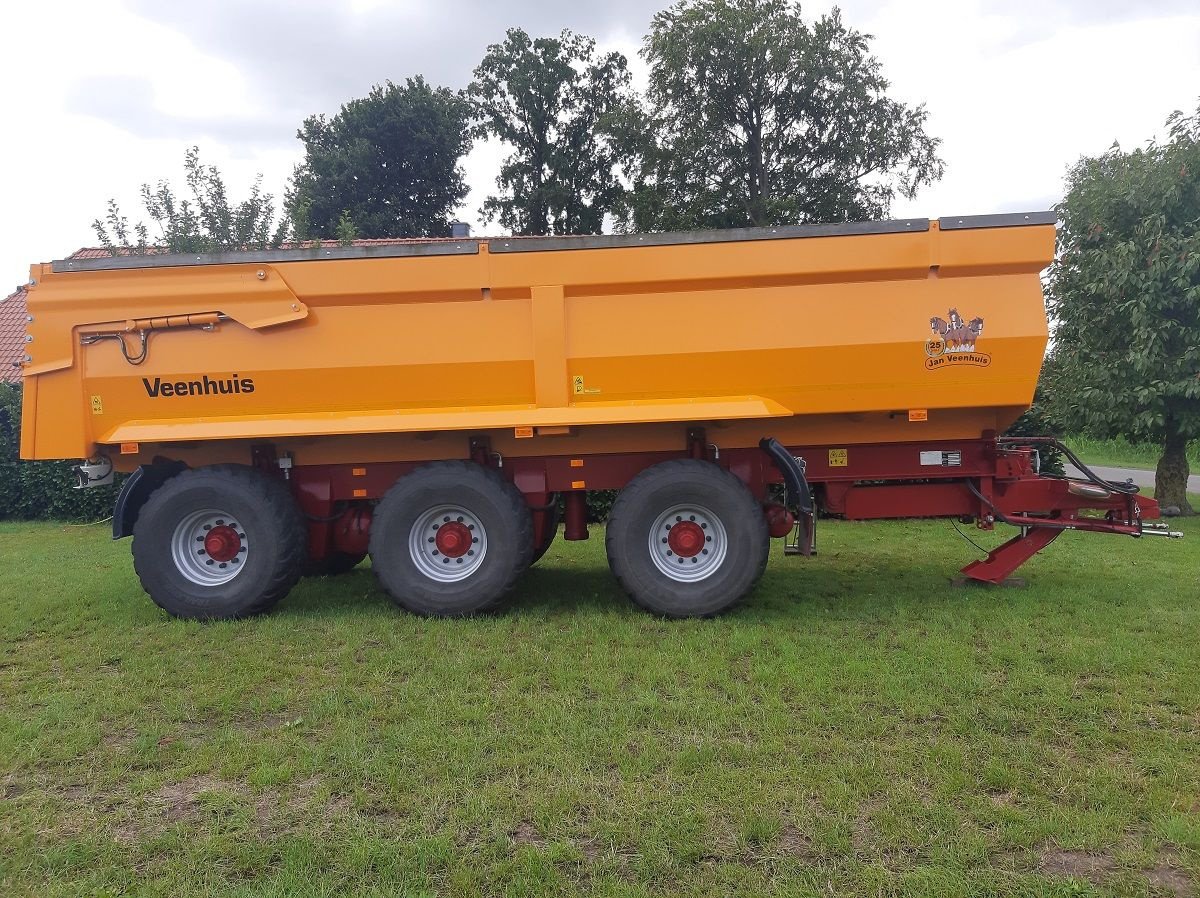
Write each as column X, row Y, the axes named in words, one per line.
column 1005, row 559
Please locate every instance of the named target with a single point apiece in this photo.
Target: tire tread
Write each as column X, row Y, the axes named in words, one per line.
column 273, row 496
column 516, row 511
column 628, row 500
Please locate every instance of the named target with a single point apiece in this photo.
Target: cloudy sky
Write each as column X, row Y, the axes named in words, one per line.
column 100, row 96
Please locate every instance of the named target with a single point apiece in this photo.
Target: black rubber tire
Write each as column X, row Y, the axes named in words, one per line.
column 262, row 505
column 333, row 565
column 677, row 482
column 501, row 510
column 551, row 533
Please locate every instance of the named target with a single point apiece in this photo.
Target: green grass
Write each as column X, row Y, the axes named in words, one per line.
column 1121, row 453
column 857, row 727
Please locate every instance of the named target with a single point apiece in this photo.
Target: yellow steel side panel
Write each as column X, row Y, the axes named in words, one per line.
column 29, row 417
column 339, row 360
column 260, row 426
column 56, row 414
column 385, row 281
column 549, row 353
column 607, row 271
column 816, row 333
column 827, row 348
column 62, row 303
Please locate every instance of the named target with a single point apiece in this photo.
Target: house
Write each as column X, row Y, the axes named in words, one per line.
column 12, row 336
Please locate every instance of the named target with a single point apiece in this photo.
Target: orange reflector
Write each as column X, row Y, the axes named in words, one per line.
column 129, row 448
column 359, row 472
column 522, row 433
column 554, row 430
column 918, row 414
column 577, row 463
column 360, row 494
column 578, row 484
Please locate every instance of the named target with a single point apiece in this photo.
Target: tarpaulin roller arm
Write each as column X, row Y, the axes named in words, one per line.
column 143, row 328
column 132, row 325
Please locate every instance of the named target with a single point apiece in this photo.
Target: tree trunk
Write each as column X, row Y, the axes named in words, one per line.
column 1171, row 476
column 758, row 177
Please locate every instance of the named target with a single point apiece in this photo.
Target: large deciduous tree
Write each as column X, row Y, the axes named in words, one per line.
column 547, row 100
column 756, row 117
column 1125, row 295
column 207, row 222
column 388, row 163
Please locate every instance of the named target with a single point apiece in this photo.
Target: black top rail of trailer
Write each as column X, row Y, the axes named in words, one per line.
column 459, row 247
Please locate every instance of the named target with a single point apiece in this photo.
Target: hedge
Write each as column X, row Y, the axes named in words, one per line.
column 39, row 490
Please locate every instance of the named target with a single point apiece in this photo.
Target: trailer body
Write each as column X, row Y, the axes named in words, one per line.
column 499, row 334
column 883, row 359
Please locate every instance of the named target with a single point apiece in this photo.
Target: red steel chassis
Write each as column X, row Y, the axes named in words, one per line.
column 986, row 481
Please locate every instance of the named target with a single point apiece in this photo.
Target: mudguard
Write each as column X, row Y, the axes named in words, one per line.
column 137, row 489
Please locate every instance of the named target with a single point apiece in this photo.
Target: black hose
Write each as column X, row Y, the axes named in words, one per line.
column 799, row 494
column 325, row 519
column 988, row 502
column 553, row 501
column 1127, row 489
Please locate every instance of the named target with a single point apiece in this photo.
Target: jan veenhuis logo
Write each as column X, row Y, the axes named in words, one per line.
column 952, row 342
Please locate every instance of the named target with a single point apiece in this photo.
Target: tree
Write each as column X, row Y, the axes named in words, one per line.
column 1041, row 418
column 205, row 223
column 757, row 118
column 1125, row 296
column 389, row 161
column 548, row 99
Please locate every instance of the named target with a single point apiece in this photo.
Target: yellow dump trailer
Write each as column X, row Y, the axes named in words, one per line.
column 440, row 403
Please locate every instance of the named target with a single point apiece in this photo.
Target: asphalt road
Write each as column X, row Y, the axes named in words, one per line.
column 1139, row 476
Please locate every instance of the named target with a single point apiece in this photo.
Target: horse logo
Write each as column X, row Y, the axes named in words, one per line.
column 952, row 340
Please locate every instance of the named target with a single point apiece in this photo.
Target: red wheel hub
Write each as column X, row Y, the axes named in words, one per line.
column 222, row 543
column 686, row 538
column 453, row 539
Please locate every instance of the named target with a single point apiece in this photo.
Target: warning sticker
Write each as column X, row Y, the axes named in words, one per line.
column 838, row 458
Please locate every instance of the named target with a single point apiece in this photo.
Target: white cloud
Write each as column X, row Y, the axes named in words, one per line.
column 1017, row 106
column 61, row 162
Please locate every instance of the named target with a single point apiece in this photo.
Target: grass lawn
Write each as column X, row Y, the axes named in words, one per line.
column 1120, row 453
column 857, row 727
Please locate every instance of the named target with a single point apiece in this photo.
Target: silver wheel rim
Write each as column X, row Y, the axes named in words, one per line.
column 688, row 568
column 190, row 551
column 429, row 550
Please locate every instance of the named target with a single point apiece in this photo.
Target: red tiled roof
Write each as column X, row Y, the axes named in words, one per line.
column 12, row 335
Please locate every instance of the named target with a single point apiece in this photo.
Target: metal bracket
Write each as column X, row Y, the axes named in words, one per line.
column 96, row 471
